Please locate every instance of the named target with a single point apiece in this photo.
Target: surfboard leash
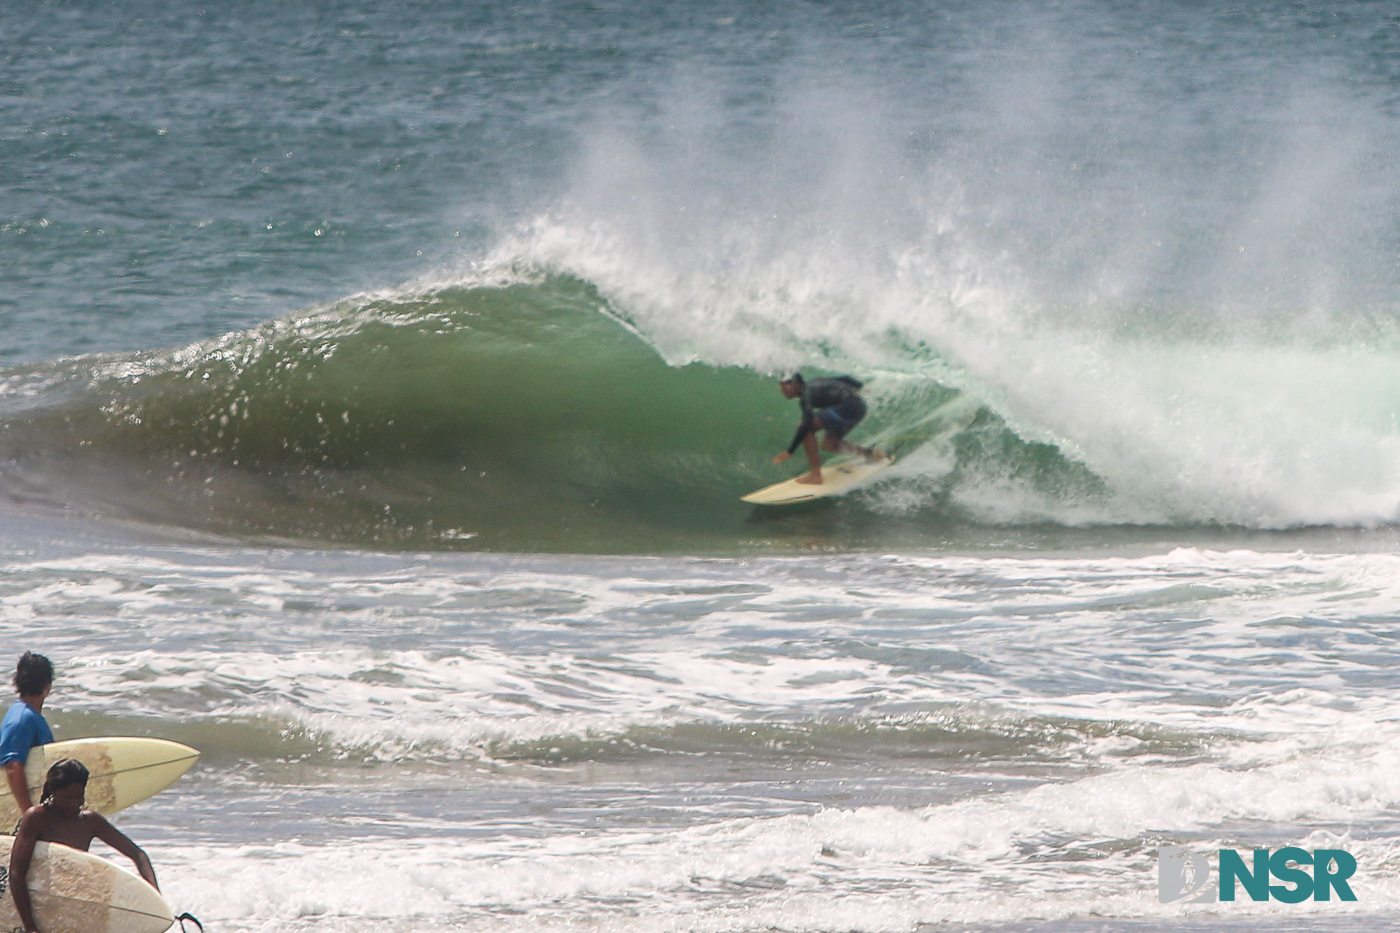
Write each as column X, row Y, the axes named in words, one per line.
column 192, row 919
column 897, row 445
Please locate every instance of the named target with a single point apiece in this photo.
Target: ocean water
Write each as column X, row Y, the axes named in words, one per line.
column 378, row 383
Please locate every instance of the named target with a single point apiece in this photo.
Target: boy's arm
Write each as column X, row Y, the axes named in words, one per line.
column 118, row 840
column 17, row 739
column 21, row 853
column 19, row 787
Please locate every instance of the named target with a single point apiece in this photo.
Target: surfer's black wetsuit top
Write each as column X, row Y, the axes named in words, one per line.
column 838, row 402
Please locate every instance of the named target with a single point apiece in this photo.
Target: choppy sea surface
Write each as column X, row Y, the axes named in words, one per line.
column 377, row 386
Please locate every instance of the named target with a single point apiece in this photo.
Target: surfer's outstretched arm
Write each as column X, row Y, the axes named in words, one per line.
column 806, row 428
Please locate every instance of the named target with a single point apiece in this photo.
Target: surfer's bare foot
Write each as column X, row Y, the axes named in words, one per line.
column 811, row 479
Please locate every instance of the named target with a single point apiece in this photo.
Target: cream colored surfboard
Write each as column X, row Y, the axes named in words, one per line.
column 77, row 892
column 836, row 479
column 122, row 771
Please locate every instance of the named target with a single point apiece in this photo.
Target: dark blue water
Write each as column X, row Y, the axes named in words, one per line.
column 167, row 173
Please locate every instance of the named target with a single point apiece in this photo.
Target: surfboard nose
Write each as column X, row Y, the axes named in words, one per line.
column 122, row 770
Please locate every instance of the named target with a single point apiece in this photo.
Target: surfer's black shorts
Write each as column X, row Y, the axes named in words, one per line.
column 840, row 418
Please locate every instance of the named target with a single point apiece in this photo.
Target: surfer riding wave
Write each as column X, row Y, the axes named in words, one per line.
column 830, row 405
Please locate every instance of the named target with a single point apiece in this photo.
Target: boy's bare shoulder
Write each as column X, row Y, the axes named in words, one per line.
column 36, row 815
column 91, row 818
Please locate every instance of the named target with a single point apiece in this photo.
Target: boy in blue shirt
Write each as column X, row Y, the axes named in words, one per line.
column 24, row 726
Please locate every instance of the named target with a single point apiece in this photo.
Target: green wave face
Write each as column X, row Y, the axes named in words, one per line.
column 514, row 417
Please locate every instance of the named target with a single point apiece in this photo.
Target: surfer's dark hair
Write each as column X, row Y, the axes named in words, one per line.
column 33, row 674
column 797, row 378
column 63, row 773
